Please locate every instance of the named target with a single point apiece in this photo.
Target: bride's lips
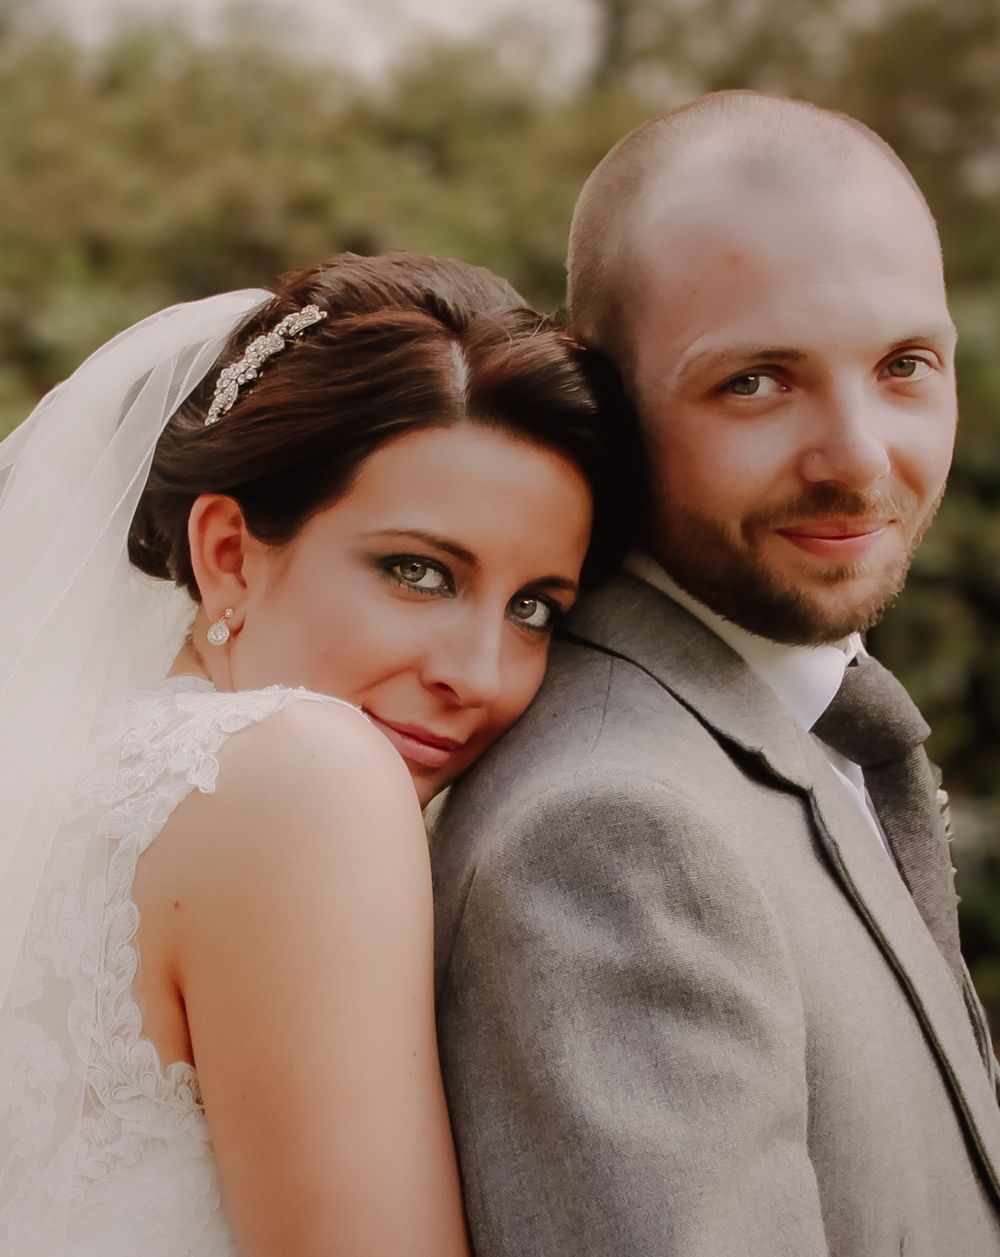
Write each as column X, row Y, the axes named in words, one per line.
column 416, row 744
column 840, row 539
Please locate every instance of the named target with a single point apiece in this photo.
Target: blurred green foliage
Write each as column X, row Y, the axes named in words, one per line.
column 155, row 168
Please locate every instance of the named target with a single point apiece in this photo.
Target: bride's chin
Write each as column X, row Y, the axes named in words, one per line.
column 432, row 800
column 428, row 788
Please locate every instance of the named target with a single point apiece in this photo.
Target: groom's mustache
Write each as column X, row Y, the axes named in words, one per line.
column 828, row 502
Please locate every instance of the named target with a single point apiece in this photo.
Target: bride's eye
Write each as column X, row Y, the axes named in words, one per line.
column 532, row 612
column 413, row 572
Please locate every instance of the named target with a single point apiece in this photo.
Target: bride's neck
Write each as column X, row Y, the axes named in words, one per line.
column 188, row 662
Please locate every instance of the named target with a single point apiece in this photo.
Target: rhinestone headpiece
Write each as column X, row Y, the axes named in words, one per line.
column 233, row 377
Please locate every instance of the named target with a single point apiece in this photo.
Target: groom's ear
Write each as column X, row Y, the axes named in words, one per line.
column 221, row 547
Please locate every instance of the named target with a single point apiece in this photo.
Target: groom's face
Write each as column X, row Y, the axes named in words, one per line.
column 794, row 369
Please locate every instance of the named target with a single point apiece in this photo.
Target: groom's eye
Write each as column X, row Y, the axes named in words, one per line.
column 910, row 368
column 752, row 384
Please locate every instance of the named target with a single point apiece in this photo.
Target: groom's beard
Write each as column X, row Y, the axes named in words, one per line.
column 729, row 571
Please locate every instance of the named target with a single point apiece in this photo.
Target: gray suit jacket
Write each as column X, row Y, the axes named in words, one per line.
column 686, row 1005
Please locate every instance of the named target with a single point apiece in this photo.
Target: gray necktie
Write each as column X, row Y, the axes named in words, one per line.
column 874, row 722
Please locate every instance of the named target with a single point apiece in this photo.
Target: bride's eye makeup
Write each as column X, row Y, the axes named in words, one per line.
column 418, row 573
column 534, row 611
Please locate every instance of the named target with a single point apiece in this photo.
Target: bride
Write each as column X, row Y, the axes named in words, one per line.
column 379, row 482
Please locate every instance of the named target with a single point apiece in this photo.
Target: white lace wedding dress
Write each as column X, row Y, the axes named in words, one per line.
column 139, row 1178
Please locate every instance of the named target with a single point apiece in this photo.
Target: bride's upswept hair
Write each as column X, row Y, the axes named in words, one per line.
column 410, row 342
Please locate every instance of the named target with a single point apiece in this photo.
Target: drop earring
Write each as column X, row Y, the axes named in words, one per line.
column 218, row 631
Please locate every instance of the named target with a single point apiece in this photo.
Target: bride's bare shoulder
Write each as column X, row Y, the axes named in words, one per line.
column 311, row 744
column 305, row 783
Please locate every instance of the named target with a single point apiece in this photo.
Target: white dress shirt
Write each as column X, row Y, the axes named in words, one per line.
column 805, row 678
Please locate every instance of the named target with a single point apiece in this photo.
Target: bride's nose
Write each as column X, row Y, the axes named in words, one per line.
column 467, row 662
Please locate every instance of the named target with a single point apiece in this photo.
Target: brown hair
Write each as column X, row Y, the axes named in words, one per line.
column 409, row 342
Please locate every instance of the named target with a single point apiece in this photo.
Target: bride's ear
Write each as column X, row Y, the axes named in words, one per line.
column 220, row 543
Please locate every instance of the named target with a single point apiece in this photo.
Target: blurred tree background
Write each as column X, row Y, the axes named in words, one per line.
column 155, row 167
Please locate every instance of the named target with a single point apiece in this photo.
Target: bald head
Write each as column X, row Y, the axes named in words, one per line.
column 719, row 151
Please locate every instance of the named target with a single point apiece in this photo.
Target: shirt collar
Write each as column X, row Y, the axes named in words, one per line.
column 805, row 678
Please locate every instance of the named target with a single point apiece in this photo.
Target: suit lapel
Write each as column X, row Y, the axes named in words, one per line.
column 629, row 619
column 878, row 893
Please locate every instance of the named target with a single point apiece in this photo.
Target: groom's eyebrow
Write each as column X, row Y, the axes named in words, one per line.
column 751, row 355
column 739, row 355
column 936, row 333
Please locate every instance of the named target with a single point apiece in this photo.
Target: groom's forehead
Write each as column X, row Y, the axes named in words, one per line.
column 816, row 275
column 800, row 228
column 705, row 162
column 716, row 185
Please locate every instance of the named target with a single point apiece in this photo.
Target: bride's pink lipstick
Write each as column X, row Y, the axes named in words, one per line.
column 840, row 539
column 416, row 744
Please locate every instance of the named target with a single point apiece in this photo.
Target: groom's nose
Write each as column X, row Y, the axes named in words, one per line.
column 847, row 442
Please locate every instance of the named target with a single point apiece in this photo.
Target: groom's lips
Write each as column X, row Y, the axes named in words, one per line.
column 416, row 744
column 840, row 539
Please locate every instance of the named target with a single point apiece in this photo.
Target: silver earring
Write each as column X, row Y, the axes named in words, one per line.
column 218, row 632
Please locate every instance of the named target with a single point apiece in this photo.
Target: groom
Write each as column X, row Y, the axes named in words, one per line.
column 701, row 991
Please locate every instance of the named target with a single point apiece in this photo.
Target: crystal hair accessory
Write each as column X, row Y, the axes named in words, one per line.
column 233, row 377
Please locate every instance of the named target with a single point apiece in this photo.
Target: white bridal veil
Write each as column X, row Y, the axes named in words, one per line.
column 75, row 626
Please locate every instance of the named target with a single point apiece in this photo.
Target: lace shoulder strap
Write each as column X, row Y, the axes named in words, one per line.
column 84, row 923
column 174, row 735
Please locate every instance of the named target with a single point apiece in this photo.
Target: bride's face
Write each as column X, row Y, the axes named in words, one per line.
column 426, row 595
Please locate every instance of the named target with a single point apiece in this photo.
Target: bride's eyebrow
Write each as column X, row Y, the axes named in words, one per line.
column 463, row 555
column 555, row 582
column 428, row 538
